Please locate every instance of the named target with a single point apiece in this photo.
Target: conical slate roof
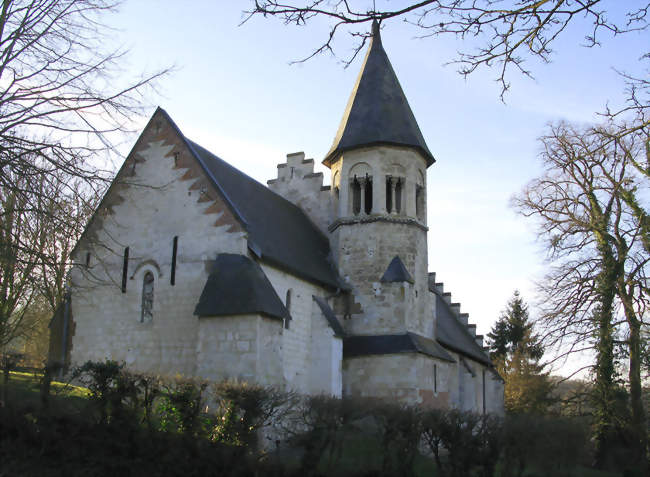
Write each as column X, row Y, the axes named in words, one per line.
column 378, row 111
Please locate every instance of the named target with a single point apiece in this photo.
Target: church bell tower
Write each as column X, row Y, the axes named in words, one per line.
column 378, row 163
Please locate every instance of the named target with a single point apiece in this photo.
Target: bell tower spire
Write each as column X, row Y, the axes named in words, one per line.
column 377, row 112
column 378, row 162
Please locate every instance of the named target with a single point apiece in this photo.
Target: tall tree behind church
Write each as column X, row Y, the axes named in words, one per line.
column 516, row 352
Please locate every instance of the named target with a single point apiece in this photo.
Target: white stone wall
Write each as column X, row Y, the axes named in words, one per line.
column 326, row 357
column 144, row 211
column 241, row 347
column 304, row 327
column 466, row 391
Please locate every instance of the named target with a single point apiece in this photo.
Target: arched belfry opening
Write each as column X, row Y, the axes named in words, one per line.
column 420, row 200
column 360, row 194
column 368, row 195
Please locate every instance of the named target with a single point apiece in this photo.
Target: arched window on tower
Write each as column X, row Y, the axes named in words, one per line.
column 336, row 184
column 368, row 197
column 419, row 197
column 389, row 194
column 356, row 196
column 360, row 196
column 395, row 174
column 147, row 298
column 398, row 195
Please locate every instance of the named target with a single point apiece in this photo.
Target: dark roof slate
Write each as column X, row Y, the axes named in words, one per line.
column 396, row 272
column 377, row 112
column 354, row 346
column 329, row 315
column 237, row 285
column 451, row 333
column 279, row 232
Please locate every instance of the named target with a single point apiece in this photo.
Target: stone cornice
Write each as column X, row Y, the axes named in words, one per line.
column 366, row 219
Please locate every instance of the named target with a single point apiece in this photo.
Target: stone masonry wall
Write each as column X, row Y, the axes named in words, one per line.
column 364, row 252
column 406, row 377
column 158, row 181
column 242, row 347
column 364, row 244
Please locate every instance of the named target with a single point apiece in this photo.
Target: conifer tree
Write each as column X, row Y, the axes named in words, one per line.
column 516, row 352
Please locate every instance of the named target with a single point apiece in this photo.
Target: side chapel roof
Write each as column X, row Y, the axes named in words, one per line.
column 377, row 112
column 237, row 285
column 362, row 345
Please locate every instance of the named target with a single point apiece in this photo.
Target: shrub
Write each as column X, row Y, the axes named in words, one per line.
column 320, row 426
column 112, row 389
column 244, row 409
column 149, row 388
column 432, row 425
column 180, row 407
column 400, row 431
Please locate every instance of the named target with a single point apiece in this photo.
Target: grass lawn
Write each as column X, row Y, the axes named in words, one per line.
column 24, row 392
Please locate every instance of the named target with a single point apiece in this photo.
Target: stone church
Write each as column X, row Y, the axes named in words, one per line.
column 191, row 267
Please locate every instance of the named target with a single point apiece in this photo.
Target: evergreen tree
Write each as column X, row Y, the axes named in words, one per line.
column 516, row 352
column 513, row 331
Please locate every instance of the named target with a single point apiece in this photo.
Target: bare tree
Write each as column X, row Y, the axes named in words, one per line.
column 65, row 104
column 508, row 31
column 21, row 248
column 39, row 226
column 591, row 219
column 59, row 103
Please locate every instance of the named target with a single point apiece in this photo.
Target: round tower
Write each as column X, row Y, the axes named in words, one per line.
column 378, row 163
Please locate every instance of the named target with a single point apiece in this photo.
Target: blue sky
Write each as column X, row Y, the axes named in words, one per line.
column 236, row 93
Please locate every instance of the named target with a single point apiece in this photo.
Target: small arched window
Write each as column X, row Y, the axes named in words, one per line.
column 147, row 298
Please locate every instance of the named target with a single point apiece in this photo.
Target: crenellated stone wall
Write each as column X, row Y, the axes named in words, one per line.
column 298, row 183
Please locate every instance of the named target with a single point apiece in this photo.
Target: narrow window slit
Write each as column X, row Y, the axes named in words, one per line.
column 435, row 378
column 172, row 279
column 288, row 306
column 125, row 269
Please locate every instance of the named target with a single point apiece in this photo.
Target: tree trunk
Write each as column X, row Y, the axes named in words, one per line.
column 636, row 401
column 604, row 386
